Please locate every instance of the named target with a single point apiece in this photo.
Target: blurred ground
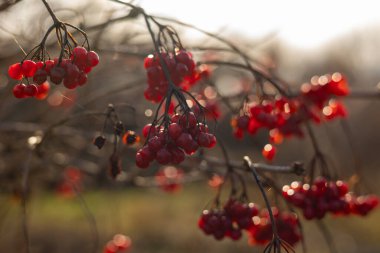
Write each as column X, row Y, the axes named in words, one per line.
column 156, row 221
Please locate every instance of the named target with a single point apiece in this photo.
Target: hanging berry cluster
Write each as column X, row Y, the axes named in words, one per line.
column 323, row 196
column 183, row 134
column 181, row 67
column 236, row 217
column 70, row 67
column 283, row 116
column 287, row 225
column 177, row 130
column 71, row 71
column 228, row 221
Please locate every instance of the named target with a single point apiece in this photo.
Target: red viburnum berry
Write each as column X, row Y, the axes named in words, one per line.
column 28, row 68
column 31, row 90
column 19, row 90
column 15, row 71
column 92, row 59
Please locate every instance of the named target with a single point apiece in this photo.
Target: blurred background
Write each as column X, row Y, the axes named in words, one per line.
column 293, row 40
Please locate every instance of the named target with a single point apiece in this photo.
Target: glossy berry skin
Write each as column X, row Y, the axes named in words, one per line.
column 19, row 90
column 79, row 57
column 42, row 90
column 92, row 59
column 40, row 76
column 57, row 74
column 163, row 156
column 141, row 162
column 15, row 71
column 28, row 68
column 31, row 90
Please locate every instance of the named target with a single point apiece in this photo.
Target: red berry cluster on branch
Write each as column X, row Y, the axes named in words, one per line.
column 284, row 116
column 71, row 71
column 182, row 70
column 168, row 144
column 324, row 196
column 286, row 223
column 229, row 221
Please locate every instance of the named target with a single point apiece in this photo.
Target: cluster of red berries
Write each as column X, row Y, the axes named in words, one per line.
column 72, row 72
column 324, row 196
column 169, row 179
column 322, row 88
column 169, row 144
column 229, row 221
column 284, row 116
column 182, row 70
column 286, row 223
column 119, row 244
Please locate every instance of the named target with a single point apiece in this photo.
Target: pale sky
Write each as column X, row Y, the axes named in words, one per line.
column 305, row 24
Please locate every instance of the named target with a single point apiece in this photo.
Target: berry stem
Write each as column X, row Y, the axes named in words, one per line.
column 53, row 16
column 248, row 164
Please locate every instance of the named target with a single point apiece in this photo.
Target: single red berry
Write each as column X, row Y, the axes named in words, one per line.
column 82, row 78
column 212, row 141
column 19, row 90
column 15, row 71
column 174, row 131
column 92, row 59
column 79, row 57
column 147, row 154
column 155, row 143
column 149, row 61
column 184, row 140
column 48, row 65
column 147, row 130
column 28, row 68
column 178, row 155
column 39, row 65
column 70, row 83
column 72, row 72
column 40, row 76
column 141, row 162
column 188, row 120
column 181, row 69
column 31, row 90
column 57, row 74
column 243, row 122
column 43, row 90
column 163, row 156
